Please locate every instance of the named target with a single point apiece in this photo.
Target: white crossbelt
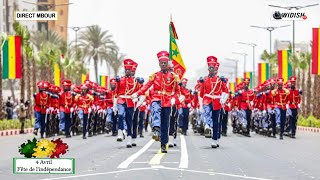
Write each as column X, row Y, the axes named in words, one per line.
column 212, row 96
column 125, row 96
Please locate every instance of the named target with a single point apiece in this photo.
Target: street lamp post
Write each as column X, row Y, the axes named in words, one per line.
column 253, row 59
column 293, row 27
column 244, row 58
column 236, row 67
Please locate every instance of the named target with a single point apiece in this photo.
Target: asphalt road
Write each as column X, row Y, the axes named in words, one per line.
column 238, row 157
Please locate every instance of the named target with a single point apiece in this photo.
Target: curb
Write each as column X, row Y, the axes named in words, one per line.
column 15, row 132
column 309, row 129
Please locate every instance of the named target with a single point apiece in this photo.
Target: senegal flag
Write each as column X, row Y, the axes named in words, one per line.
column 11, row 58
column 175, row 56
column 284, row 66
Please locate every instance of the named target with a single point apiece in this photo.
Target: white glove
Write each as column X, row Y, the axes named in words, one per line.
column 134, row 96
column 251, row 103
column 148, row 107
column 89, row 110
column 94, row 107
column 229, row 104
column 287, row 106
column 224, row 97
column 182, row 98
column 141, row 100
column 71, row 110
column 299, row 106
column 173, row 101
column 189, row 105
column 144, row 103
column 264, row 112
column 47, row 110
column 201, row 109
column 115, row 108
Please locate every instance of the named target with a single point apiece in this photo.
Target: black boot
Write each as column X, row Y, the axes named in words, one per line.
column 156, row 133
column 35, row 131
column 163, row 148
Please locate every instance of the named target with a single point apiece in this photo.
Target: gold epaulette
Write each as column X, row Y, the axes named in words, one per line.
column 286, row 91
column 90, row 97
column 151, row 77
column 176, row 76
column 273, row 92
column 77, row 97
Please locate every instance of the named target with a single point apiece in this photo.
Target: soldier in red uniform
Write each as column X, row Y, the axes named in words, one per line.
column 270, row 102
column 66, row 107
column 294, row 101
column 185, row 107
column 111, row 121
column 84, row 103
column 126, row 86
column 214, row 94
column 227, row 109
column 42, row 104
column 246, row 98
column 281, row 97
column 52, row 119
column 165, row 87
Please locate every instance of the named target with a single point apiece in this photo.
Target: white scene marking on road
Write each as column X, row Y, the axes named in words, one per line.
column 157, row 168
column 130, row 159
column 184, row 161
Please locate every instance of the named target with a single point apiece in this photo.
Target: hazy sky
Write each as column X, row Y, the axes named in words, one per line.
column 205, row 27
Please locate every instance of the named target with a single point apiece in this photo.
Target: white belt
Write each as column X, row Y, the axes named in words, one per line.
column 125, row 96
column 212, row 96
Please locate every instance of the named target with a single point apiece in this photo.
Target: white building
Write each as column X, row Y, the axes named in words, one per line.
column 22, row 6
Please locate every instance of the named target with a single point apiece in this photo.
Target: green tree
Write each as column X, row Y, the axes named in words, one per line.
column 96, row 45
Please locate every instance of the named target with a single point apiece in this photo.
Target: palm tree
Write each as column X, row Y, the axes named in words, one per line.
column 95, row 44
column 303, row 65
column 40, row 37
column 48, row 55
column 23, row 32
column 116, row 61
column 272, row 60
column 309, row 85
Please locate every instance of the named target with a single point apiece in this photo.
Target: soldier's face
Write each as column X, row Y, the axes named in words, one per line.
column 212, row 70
column 293, row 85
column 163, row 65
column 184, row 85
column 128, row 72
column 133, row 73
column 112, row 86
column 280, row 86
column 272, row 86
column 66, row 89
column 246, row 86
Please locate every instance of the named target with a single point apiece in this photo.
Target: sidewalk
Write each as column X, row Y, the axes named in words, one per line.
column 15, row 132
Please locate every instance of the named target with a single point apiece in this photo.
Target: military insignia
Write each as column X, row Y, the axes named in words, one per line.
column 168, row 79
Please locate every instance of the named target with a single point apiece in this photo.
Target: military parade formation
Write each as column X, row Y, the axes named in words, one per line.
column 164, row 103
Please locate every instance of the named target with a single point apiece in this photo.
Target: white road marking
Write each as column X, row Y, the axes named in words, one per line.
column 156, row 168
column 140, row 162
column 130, row 159
column 170, row 162
column 184, row 161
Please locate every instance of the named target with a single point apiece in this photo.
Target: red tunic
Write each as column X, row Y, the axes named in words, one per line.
column 211, row 90
column 165, row 87
column 125, row 88
column 84, row 102
column 294, row 99
column 66, row 101
column 245, row 99
column 42, row 102
column 281, row 98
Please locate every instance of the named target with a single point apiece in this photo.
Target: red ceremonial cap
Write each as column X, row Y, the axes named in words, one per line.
column 272, row 81
column 211, row 61
column 84, row 86
column 135, row 65
column 293, row 79
column 66, row 82
column 217, row 65
column 184, row 80
column 46, row 84
column 266, row 83
column 113, row 81
column 163, row 56
column 280, row 81
column 128, row 64
column 77, row 89
column 40, row 84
